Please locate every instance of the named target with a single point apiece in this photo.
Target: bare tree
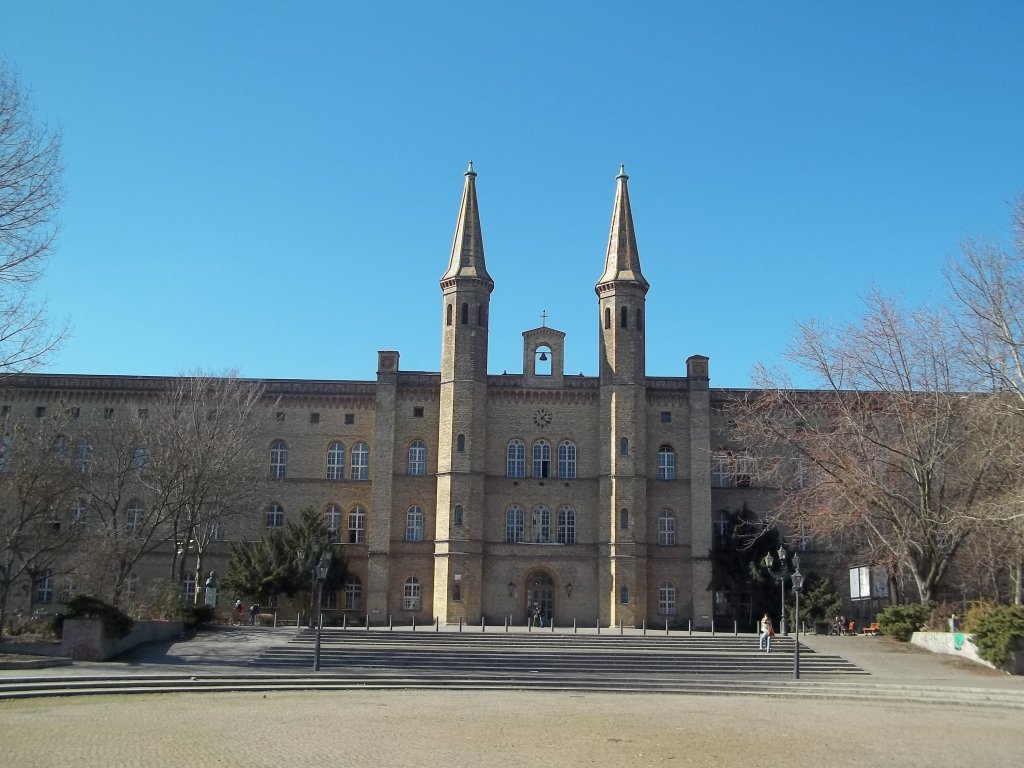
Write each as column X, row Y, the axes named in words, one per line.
column 206, row 465
column 987, row 286
column 37, row 486
column 892, row 449
column 30, row 194
column 126, row 521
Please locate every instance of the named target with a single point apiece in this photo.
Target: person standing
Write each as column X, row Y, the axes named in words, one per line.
column 765, row 636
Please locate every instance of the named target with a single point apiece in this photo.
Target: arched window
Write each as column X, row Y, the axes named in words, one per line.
column 417, row 458
column 332, row 521
column 567, row 459
column 458, row 515
column 666, row 599
column 721, row 469
column 624, row 317
column 515, row 522
column 480, row 315
column 607, row 318
column 723, row 526
column 566, row 525
column 666, row 529
column 131, row 587
column 542, row 459
column 666, row 463
column 357, row 526
column 44, row 588
column 275, row 516
column 639, row 319
column 414, row 524
column 541, row 525
column 411, row 594
column 744, row 469
column 465, row 314
column 624, row 595
column 133, row 518
column 624, row 446
column 278, row 460
column 460, row 443
column 353, row 593
column 336, row 461
column 448, row 315
column 360, row 462
column 516, row 464
column 78, row 515
column 83, row 456
column 140, row 458
column 623, row 518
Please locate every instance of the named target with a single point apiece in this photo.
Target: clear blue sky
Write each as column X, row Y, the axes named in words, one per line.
column 240, row 173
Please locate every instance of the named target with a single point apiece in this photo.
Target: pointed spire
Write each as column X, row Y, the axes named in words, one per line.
column 467, row 259
column 622, row 261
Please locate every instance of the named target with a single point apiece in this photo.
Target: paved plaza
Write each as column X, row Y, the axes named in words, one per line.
column 511, row 727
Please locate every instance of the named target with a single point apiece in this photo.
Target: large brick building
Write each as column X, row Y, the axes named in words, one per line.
column 463, row 495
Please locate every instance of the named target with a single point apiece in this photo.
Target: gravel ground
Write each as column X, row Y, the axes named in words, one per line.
column 516, row 729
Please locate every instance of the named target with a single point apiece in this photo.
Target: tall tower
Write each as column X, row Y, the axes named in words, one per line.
column 621, row 293
column 466, row 291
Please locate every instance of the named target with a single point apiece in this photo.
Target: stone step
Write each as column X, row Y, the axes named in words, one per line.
column 874, row 692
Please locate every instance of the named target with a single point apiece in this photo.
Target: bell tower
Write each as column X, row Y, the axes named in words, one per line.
column 458, row 536
column 621, row 292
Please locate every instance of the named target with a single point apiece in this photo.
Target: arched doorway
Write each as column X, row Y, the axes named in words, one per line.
column 540, row 595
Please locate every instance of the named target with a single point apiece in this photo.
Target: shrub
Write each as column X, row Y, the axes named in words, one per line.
column 938, row 620
column 976, row 613
column 999, row 633
column 901, row 621
column 116, row 622
column 198, row 615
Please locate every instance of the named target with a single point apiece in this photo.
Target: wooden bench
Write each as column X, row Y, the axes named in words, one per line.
column 872, row 629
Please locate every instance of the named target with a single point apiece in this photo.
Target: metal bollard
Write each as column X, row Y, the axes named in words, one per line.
column 735, row 628
column 666, row 627
column 574, row 625
column 712, row 626
column 437, row 623
column 344, row 621
column 460, row 623
column 483, row 624
column 645, row 626
column 414, row 622
column 599, row 626
column 391, row 623
column 691, row 626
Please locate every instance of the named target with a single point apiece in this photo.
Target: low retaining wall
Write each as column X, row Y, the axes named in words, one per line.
column 962, row 644
column 85, row 639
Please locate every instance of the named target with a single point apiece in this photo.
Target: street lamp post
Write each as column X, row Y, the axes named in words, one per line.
column 798, row 585
column 321, row 575
column 779, row 576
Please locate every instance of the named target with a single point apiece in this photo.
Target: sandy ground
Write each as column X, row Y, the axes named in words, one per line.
column 517, row 729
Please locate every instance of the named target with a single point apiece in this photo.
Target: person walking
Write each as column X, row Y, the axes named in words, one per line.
column 764, row 642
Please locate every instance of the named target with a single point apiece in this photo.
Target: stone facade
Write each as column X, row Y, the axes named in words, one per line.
column 588, row 497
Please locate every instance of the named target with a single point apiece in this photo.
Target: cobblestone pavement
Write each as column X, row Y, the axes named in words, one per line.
column 516, row 729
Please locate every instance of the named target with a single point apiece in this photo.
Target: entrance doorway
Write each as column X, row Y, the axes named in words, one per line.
column 540, row 594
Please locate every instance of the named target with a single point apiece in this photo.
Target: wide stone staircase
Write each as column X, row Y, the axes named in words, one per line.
column 380, row 659
column 540, row 659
